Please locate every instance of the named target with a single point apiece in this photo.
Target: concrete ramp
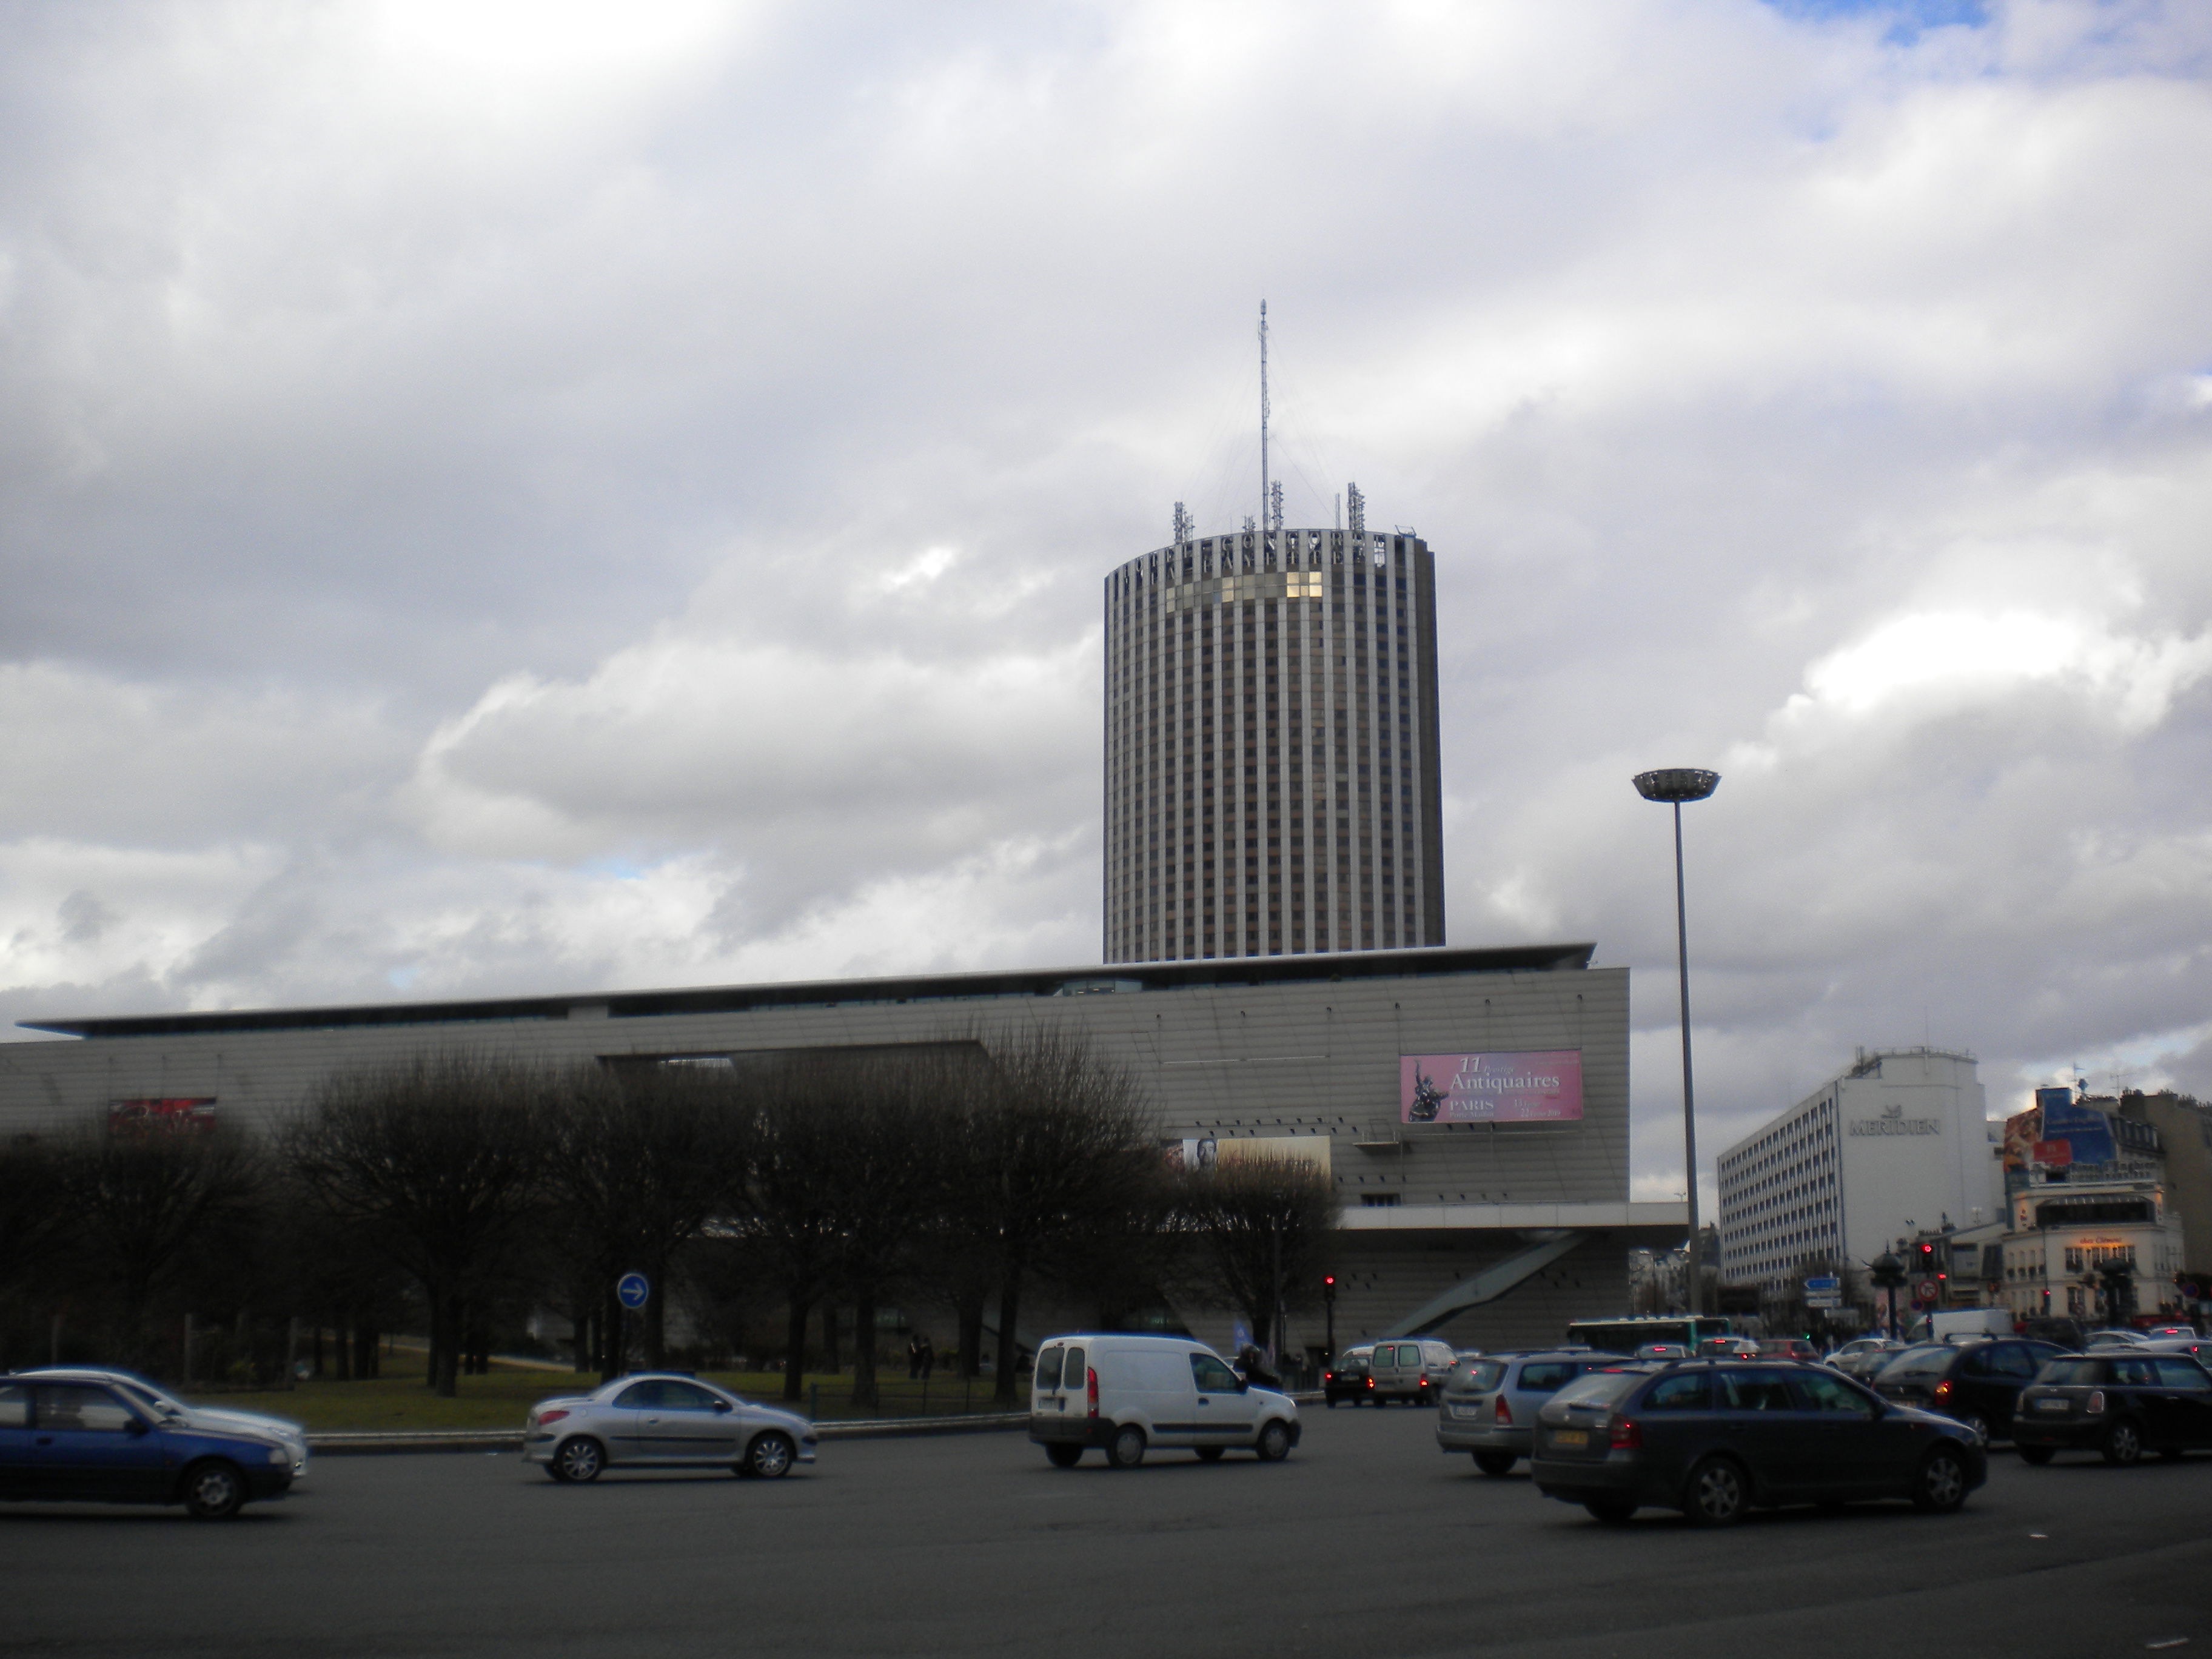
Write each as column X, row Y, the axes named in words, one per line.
column 1492, row 1282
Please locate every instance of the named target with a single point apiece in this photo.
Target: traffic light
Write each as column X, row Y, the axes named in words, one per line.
column 1328, row 1286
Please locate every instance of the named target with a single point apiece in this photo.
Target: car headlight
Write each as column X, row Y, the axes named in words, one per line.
column 279, row 1455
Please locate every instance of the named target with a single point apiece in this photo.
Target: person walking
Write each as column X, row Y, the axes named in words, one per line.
column 928, row 1356
column 913, row 1344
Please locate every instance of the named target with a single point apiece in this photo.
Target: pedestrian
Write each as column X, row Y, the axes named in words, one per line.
column 913, row 1344
column 1254, row 1364
column 928, row 1357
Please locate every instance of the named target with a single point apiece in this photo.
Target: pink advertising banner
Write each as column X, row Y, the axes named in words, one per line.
column 1531, row 1086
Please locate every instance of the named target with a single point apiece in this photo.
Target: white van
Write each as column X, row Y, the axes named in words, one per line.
column 1127, row 1395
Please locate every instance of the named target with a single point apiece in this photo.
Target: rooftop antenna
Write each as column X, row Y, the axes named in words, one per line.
column 1265, row 500
column 1182, row 525
column 1355, row 510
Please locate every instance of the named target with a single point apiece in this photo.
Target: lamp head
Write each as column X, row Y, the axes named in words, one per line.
column 1677, row 783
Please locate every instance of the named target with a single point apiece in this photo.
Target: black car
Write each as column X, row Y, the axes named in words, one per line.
column 2120, row 1404
column 1974, row 1382
column 1714, row 1438
column 1348, row 1378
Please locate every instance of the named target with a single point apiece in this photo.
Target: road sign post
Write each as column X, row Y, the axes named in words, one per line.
column 632, row 1290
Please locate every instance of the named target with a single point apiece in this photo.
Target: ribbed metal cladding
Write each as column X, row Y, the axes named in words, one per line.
column 1272, row 774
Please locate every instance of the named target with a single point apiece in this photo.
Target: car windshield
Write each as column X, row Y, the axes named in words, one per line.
column 2068, row 1373
column 148, row 1396
column 1920, row 1362
column 1598, row 1388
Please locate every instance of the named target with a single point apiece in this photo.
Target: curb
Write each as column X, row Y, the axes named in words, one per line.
column 359, row 1443
column 346, row 1443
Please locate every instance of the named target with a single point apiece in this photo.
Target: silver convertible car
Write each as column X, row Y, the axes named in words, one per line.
column 661, row 1421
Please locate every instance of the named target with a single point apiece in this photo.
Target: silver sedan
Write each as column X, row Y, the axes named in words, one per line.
column 663, row 1421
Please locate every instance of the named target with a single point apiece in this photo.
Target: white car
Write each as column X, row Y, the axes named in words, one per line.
column 663, row 1421
column 1128, row 1395
column 166, row 1407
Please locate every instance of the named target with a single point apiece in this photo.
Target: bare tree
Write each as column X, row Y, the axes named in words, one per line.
column 1260, row 1227
column 152, row 1200
column 439, row 1160
column 638, row 1164
column 1052, row 1140
column 36, row 1218
column 794, row 1214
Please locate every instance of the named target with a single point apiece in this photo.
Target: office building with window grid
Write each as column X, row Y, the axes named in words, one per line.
column 1271, row 747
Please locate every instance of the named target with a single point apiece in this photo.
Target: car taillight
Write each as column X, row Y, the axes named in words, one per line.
column 1091, row 1386
column 1943, row 1391
column 550, row 1417
column 1502, row 1412
column 1626, row 1435
column 2096, row 1401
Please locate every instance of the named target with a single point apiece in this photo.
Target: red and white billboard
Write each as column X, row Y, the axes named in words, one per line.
column 168, row 1112
column 1541, row 1086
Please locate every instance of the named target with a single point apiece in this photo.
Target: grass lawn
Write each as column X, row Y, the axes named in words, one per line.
column 400, row 1401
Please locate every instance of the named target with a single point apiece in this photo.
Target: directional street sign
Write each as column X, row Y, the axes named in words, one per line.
column 1824, row 1303
column 631, row 1290
column 1823, row 1285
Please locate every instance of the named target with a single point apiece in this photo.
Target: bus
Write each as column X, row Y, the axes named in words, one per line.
column 1627, row 1335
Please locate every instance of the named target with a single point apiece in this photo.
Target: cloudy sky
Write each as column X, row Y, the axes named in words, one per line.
column 533, row 497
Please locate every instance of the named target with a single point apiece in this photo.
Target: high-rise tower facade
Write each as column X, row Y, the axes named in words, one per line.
column 1271, row 746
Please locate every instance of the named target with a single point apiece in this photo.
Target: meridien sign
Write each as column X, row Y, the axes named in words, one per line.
column 1897, row 1126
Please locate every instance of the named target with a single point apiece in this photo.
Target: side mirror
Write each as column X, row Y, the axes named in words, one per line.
column 136, row 1426
column 1241, row 1384
column 721, row 1405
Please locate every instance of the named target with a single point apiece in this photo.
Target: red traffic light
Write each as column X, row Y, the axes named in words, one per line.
column 1328, row 1278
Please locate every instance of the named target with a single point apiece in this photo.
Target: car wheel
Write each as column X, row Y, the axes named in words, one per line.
column 1495, row 1462
column 1613, row 1511
column 1127, row 1449
column 1715, row 1495
column 212, row 1490
column 770, row 1457
column 1210, row 1453
column 1979, row 1426
column 1941, row 1485
column 578, row 1459
column 2038, row 1455
column 1274, row 1443
column 2123, row 1445
column 1063, row 1457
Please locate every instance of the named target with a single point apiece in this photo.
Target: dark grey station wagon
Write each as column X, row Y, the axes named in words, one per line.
column 1716, row 1439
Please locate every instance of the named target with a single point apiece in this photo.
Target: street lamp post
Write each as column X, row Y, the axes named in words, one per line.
column 1674, row 785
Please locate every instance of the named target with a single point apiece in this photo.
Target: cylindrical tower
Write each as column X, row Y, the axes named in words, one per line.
column 1271, row 747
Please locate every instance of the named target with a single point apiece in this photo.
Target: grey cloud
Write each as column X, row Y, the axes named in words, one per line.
column 474, row 523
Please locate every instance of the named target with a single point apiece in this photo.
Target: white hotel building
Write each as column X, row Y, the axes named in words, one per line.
column 1896, row 1143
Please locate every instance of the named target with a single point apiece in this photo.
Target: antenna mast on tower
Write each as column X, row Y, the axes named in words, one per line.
column 1265, row 500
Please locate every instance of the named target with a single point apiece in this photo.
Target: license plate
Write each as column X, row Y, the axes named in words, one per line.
column 1466, row 1411
column 1570, row 1436
column 2052, row 1404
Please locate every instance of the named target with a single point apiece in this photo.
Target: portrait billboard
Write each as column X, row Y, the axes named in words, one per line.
column 1540, row 1086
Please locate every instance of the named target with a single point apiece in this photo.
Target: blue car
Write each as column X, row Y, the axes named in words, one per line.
column 80, row 1440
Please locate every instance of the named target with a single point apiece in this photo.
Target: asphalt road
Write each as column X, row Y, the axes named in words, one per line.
column 1369, row 1542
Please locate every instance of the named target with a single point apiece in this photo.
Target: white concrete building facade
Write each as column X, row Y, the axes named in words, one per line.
column 1897, row 1143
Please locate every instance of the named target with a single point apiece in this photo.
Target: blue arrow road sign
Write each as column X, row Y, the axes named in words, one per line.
column 1824, row 1285
column 631, row 1290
